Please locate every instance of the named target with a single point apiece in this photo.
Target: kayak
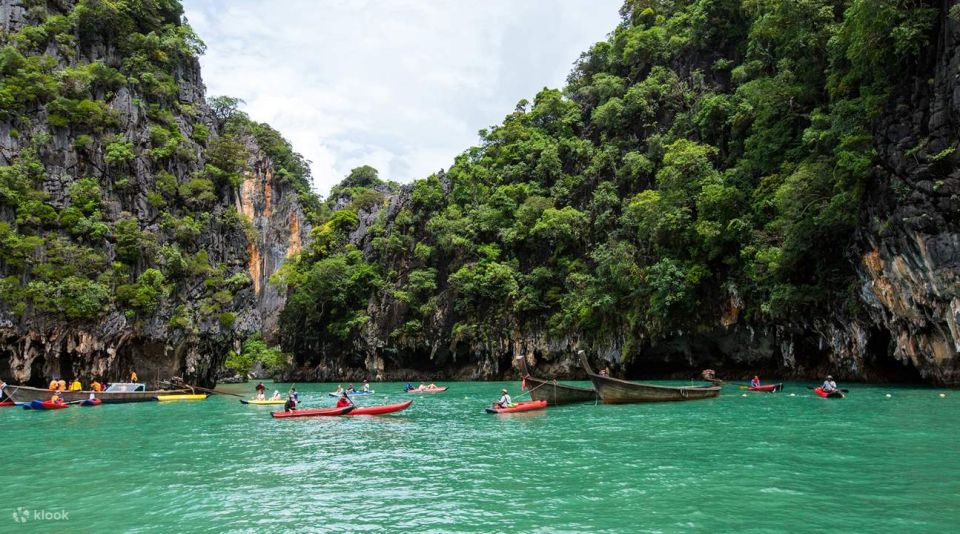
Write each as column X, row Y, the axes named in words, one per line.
column 91, row 402
column 263, row 402
column 354, row 394
column 380, row 410
column 835, row 394
column 520, row 407
column 7, row 403
column 428, row 390
column 183, row 397
column 319, row 412
column 45, row 405
column 768, row 388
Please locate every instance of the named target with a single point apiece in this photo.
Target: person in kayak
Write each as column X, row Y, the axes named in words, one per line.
column 339, row 389
column 260, row 395
column 829, row 384
column 261, row 389
column 344, row 401
column 290, row 405
column 366, row 386
column 408, row 387
column 55, row 398
column 755, row 383
column 505, row 400
column 276, row 395
column 295, row 395
column 350, row 389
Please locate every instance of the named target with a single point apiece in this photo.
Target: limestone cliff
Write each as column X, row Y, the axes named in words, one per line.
column 138, row 231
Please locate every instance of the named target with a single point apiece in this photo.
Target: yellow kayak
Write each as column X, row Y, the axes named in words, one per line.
column 262, row 402
column 185, row 397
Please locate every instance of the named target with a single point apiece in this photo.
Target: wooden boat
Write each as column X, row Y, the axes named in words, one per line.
column 552, row 391
column 116, row 393
column 616, row 391
column 182, row 397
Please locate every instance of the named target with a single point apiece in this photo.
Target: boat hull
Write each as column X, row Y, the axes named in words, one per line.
column 520, row 407
column 379, row 410
column 556, row 393
column 263, row 402
column 616, row 391
column 836, row 394
column 28, row 394
column 88, row 402
column 767, row 388
column 182, row 397
column 45, row 405
column 319, row 412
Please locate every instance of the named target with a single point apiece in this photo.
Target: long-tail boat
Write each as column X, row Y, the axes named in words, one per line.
column 552, row 391
column 116, row 393
column 616, row 391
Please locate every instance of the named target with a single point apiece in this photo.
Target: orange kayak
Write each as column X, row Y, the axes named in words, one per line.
column 520, row 407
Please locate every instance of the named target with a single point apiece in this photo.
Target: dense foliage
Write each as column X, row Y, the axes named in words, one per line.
column 115, row 176
column 706, row 161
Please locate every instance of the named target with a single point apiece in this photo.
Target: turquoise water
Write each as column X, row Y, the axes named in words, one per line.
column 760, row 463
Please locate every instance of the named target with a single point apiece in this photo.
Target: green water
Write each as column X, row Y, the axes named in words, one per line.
column 760, row 463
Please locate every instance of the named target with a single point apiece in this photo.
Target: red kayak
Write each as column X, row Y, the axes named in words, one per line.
column 319, row 412
column 520, row 407
column 91, row 402
column 45, row 405
column 835, row 394
column 768, row 388
column 380, row 410
column 7, row 403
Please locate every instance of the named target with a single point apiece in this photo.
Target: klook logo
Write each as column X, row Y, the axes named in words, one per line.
column 21, row 515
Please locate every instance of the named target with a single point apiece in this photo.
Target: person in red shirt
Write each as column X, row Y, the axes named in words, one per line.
column 344, row 401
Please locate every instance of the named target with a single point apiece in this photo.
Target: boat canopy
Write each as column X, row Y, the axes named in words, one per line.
column 126, row 387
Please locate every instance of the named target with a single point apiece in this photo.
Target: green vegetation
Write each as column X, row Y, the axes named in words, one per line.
column 255, row 351
column 707, row 151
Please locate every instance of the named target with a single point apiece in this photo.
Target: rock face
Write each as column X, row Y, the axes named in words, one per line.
column 182, row 257
column 909, row 263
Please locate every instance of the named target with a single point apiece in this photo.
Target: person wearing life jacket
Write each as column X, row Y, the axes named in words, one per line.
column 55, row 398
column 755, row 383
column 61, row 385
column 276, row 395
column 366, row 386
column 290, row 405
column 350, row 389
column 76, row 385
column 133, row 377
column 96, row 386
column 53, row 384
column 829, row 385
column 344, row 401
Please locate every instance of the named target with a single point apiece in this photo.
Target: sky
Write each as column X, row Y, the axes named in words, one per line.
column 402, row 85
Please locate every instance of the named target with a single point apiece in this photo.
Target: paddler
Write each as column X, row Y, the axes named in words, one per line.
column 505, row 400
column 344, row 401
column 829, row 384
column 350, row 389
column 290, row 405
column 294, row 394
column 55, row 398
column 261, row 389
column 76, row 385
column 366, row 387
column 755, row 383
column 339, row 389
column 276, row 395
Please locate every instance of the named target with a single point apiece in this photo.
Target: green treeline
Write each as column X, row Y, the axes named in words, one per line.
column 710, row 154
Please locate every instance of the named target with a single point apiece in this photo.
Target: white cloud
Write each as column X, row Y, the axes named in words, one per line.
column 403, row 85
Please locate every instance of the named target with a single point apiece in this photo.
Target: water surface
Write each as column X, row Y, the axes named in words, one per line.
column 755, row 463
